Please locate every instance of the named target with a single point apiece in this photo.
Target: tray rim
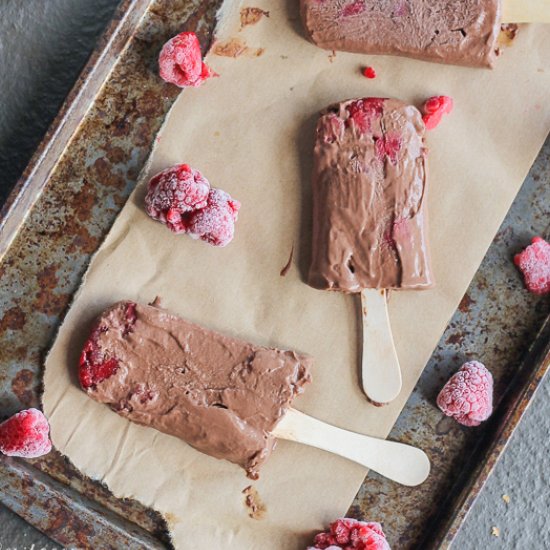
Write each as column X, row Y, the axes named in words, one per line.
column 506, row 420
column 89, row 82
column 28, row 188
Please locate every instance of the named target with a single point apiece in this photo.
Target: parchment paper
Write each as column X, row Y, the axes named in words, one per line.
column 251, row 133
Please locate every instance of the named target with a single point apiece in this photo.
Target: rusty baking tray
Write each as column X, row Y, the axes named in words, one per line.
column 65, row 203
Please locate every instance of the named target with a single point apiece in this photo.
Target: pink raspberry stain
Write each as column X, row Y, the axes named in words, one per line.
column 332, row 129
column 215, row 223
column 534, row 263
column 351, row 534
column 94, row 365
column 396, row 230
column 434, row 109
column 400, row 9
column 388, row 240
column 26, row 434
column 175, row 192
column 363, row 111
column 388, row 146
column 180, row 61
column 356, row 7
column 143, row 394
column 468, row 395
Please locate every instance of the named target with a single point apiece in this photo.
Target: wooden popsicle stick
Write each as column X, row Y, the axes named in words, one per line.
column 396, row 461
column 526, row 11
column 380, row 372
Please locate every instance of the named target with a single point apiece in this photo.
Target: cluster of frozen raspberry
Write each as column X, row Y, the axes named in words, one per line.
column 351, row 534
column 181, row 198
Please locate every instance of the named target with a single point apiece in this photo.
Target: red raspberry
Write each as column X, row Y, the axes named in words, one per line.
column 354, row 8
column 369, row 72
column 351, row 534
column 388, row 146
column 25, row 434
column 215, row 223
column 468, row 395
column 362, row 111
column 435, row 108
column 534, row 263
column 180, row 61
column 94, row 367
column 173, row 193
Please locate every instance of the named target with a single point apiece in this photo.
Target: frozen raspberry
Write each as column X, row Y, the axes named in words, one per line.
column 351, row 534
column 215, row 223
column 180, row 61
column 175, row 192
column 94, row 366
column 25, row 434
column 468, row 395
column 435, row 108
column 369, row 72
column 362, row 111
column 534, row 263
column 354, row 8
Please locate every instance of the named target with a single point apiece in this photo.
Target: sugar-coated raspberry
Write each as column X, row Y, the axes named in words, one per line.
column 369, row 72
column 534, row 263
column 330, row 129
column 435, row 108
column 180, row 61
column 175, row 192
column 351, row 534
column 468, row 395
column 215, row 223
column 26, row 434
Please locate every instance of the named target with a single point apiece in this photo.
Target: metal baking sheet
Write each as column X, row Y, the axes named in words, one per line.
column 67, row 200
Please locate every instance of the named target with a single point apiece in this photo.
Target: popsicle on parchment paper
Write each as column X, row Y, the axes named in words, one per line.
column 223, row 396
column 456, row 32
column 370, row 219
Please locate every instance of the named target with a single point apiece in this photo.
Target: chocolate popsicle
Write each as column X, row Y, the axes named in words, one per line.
column 457, row 32
column 369, row 207
column 369, row 219
column 221, row 395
